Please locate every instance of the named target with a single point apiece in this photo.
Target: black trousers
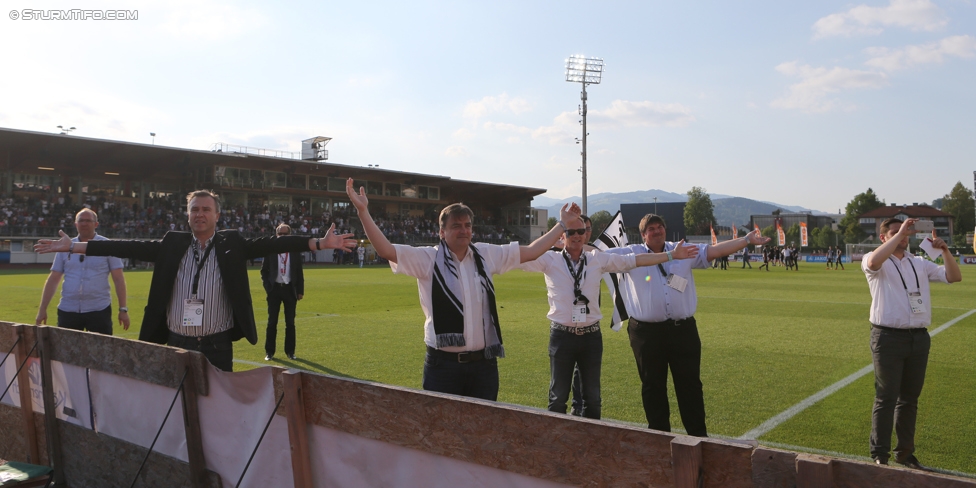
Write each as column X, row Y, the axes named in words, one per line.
column 98, row 321
column 657, row 347
column 281, row 294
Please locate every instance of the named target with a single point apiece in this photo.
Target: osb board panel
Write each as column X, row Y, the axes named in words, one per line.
column 13, row 446
column 773, row 468
column 534, row 443
column 144, row 361
column 39, row 427
column 727, row 464
column 8, row 336
column 851, row 474
column 100, row 460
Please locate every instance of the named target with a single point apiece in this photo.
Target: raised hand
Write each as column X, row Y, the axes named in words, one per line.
column 755, row 238
column 45, row 246
column 338, row 241
column 358, row 200
column 684, row 251
column 569, row 212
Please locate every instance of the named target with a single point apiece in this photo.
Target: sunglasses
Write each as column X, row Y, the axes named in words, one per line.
column 576, row 232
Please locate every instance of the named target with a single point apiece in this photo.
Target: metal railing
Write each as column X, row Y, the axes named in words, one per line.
column 271, row 153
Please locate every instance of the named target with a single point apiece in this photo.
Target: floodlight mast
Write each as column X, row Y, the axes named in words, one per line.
column 587, row 71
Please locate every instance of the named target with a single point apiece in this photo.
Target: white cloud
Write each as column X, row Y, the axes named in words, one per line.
column 864, row 20
column 565, row 127
column 501, row 103
column 624, row 113
column 456, row 152
column 463, row 134
column 810, row 94
column 933, row 52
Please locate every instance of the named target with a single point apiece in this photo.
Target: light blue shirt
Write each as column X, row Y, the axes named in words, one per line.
column 85, row 287
column 645, row 291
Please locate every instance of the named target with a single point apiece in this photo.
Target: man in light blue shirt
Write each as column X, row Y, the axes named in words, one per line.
column 661, row 302
column 86, row 302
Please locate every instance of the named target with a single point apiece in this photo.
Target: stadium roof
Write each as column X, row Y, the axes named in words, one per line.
column 74, row 156
column 909, row 210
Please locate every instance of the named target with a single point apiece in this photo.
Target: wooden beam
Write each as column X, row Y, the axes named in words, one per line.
column 297, row 429
column 813, row 471
column 191, row 422
column 686, row 461
column 50, row 410
column 26, row 404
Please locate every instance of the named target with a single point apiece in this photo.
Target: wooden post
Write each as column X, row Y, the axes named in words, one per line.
column 26, row 403
column 191, row 423
column 686, row 461
column 297, row 435
column 813, row 472
column 50, row 411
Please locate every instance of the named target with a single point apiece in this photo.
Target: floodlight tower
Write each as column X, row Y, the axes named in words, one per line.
column 587, row 71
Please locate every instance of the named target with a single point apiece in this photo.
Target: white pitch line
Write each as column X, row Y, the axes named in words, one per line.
column 808, row 402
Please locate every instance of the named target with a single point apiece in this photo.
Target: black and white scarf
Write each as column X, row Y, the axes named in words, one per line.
column 448, row 308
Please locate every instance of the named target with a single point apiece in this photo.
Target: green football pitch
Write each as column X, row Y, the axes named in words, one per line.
column 773, row 343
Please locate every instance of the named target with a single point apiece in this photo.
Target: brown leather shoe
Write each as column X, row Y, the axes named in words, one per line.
column 912, row 462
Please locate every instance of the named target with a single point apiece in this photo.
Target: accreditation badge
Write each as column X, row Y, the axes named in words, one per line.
column 579, row 314
column 677, row 282
column 917, row 301
column 192, row 312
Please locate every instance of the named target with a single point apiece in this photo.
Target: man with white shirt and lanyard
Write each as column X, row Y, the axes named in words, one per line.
column 901, row 309
column 199, row 298
column 461, row 329
column 284, row 281
column 573, row 280
column 661, row 301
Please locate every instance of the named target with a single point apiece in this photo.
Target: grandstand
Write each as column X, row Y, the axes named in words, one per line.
column 138, row 191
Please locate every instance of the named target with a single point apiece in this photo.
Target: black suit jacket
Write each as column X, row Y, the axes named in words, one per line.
column 269, row 272
column 232, row 252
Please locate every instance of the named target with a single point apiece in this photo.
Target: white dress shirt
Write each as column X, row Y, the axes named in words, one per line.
column 560, row 283
column 889, row 297
column 284, row 269
column 645, row 291
column 419, row 263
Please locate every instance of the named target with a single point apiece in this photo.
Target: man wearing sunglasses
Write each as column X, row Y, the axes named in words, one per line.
column 86, row 303
column 573, row 283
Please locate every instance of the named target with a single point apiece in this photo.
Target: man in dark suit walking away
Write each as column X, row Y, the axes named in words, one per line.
column 284, row 281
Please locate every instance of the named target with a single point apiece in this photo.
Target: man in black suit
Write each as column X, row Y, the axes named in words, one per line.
column 194, row 302
column 284, row 281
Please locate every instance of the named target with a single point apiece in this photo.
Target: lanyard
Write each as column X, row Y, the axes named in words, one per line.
column 917, row 287
column 283, row 264
column 577, row 275
column 660, row 266
column 196, row 259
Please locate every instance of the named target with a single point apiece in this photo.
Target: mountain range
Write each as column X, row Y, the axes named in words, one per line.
column 728, row 209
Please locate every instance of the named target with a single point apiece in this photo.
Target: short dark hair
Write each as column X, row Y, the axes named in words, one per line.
column 586, row 220
column 202, row 193
column 651, row 219
column 455, row 210
column 886, row 224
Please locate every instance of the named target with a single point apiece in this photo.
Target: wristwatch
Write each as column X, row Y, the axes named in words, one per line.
column 124, row 309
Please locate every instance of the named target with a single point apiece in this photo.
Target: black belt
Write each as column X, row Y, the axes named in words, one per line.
column 684, row 321
column 461, row 357
column 898, row 329
column 223, row 336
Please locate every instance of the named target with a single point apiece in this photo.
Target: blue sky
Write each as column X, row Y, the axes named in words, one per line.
column 801, row 103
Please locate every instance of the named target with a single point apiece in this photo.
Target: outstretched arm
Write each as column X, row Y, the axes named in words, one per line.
column 379, row 241
column 63, row 244
column 331, row 240
column 544, row 243
column 736, row 245
column 681, row 251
